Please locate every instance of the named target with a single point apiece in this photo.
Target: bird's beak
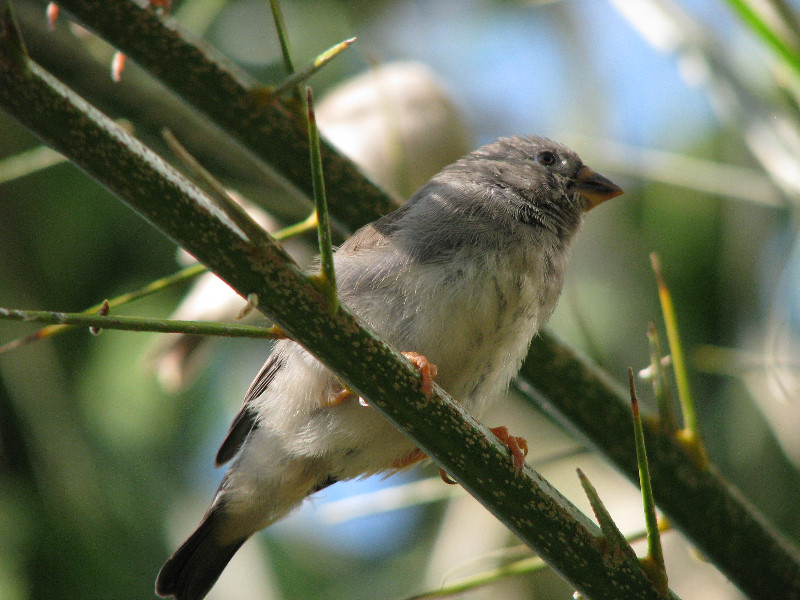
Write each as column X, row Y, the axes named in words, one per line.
column 594, row 187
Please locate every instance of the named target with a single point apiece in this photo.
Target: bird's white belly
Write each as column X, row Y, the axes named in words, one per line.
column 474, row 321
column 477, row 328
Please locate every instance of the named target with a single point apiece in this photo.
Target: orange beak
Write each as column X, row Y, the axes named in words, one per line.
column 594, row 187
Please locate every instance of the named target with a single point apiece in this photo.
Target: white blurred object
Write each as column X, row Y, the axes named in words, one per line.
column 712, row 177
column 770, row 131
column 776, row 386
column 397, row 123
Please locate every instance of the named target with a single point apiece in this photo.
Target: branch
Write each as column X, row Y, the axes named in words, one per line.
column 526, row 503
column 728, row 530
column 721, row 522
column 271, row 131
column 138, row 323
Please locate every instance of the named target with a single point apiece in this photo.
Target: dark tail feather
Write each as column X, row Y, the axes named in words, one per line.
column 194, row 567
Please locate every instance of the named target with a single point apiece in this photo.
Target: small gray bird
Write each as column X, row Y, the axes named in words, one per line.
column 465, row 273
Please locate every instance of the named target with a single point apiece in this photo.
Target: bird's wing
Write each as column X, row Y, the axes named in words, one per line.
column 245, row 420
column 369, row 237
column 264, row 378
column 374, row 234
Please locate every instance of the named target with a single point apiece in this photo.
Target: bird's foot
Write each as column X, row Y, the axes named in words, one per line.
column 409, row 459
column 446, row 478
column 517, row 446
column 338, row 397
column 427, row 370
column 414, row 457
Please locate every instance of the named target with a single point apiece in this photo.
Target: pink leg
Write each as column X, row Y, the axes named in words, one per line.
column 415, row 456
column 409, row 459
column 337, row 398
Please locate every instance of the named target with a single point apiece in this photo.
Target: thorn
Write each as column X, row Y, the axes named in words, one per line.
column 327, row 275
column 611, row 533
column 298, row 77
column 163, row 6
column 252, row 302
column 52, row 15
column 101, row 312
column 634, row 399
column 446, row 478
column 655, row 262
column 653, row 563
column 691, row 436
column 117, row 66
column 648, row 373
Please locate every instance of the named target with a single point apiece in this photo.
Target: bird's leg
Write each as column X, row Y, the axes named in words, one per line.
column 345, row 393
column 427, row 371
column 409, row 459
column 446, row 478
column 336, row 398
column 414, row 457
column 517, row 446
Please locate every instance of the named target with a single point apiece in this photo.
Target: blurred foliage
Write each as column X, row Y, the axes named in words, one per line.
column 93, row 453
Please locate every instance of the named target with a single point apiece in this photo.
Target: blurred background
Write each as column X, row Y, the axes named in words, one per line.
column 106, row 454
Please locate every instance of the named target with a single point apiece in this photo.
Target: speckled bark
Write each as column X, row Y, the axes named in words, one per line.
column 526, row 503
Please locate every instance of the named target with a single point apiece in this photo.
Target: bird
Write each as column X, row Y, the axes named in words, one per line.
column 460, row 278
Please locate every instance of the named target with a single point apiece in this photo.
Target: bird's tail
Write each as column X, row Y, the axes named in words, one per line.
column 194, row 567
column 247, row 500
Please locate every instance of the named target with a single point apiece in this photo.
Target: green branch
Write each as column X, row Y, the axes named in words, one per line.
column 153, row 287
column 159, row 285
column 326, row 279
column 726, row 528
column 767, row 34
column 137, row 323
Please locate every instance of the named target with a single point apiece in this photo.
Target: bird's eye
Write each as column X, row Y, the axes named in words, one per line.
column 546, row 158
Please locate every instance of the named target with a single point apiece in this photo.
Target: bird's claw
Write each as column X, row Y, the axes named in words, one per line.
column 518, row 446
column 336, row 398
column 409, row 459
column 427, row 370
column 446, row 478
column 414, row 457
